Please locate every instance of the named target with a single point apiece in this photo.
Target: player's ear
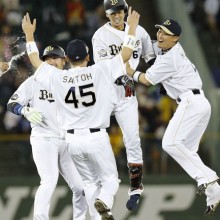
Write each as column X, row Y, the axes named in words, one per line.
column 107, row 15
column 87, row 58
column 65, row 59
column 176, row 38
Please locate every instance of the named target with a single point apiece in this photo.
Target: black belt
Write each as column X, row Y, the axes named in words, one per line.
column 92, row 130
column 194, row 91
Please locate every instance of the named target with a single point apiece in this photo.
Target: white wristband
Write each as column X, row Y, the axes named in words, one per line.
column 136, row 76
column 31, row 47
column 130, row 42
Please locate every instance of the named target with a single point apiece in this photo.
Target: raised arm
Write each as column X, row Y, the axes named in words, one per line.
column 130, row 40
column 29, row 28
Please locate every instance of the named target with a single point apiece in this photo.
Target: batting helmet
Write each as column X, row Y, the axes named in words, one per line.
column 53, row 50
column 112, row 6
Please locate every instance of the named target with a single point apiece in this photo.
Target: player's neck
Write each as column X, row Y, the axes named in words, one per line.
column 83, row 64
column 120, row 28
column 165, row 50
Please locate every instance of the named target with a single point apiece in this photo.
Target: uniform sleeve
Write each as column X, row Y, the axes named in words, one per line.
column 24, row 93
column 45, row 75
column 147, row 47
column 100, row 49
column 115, row 67
column 162, row 69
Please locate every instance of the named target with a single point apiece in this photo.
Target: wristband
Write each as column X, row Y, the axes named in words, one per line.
column 136, row 76
column 31, row 47
column 130, row 42
column 19, row 108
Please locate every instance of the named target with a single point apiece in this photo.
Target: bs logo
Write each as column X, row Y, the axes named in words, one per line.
column 167, row 22
column 114, row 2
column 49, row 48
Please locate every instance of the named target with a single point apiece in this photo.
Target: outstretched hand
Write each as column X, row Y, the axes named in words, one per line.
column 133, row 18
column 4, row 66
column 28, row 27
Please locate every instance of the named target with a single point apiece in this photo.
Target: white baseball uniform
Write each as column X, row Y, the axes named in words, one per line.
column 107, row 42
column 50, row 151
column 182, row 82
column 83, row 96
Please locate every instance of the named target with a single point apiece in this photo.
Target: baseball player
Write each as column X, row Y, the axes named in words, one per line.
column 84, row 98
column 182, row 83
column 107, row 42
column 37, row 104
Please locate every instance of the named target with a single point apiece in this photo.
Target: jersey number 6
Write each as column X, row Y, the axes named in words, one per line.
column 71, row 96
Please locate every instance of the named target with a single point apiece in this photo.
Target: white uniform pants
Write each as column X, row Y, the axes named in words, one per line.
column 94, row 159
column 184, row 132
column 126, row 114
column 51, row 157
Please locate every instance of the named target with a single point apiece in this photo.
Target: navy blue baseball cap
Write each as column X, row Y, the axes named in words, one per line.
column 171, row 27
column 76, row 50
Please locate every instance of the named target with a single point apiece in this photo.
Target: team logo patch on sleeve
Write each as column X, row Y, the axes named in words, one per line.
column 14, row 97
column 103, row 53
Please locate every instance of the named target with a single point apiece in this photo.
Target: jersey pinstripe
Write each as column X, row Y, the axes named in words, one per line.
column 175, row 71
column 83, row 93
column 33, row 93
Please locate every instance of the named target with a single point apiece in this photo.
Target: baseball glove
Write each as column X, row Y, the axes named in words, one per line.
column 32, row 115
column 128, row 85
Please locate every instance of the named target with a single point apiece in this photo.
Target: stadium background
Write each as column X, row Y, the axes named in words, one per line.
column 169, row 192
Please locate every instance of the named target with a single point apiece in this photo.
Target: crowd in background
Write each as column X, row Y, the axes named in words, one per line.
column 205, row 15
column 58, row 22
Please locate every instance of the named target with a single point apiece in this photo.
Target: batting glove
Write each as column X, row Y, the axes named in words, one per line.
column 128, row 85
column 32, row 115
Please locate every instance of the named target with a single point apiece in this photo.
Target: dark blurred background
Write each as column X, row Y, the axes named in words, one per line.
column 58, row 22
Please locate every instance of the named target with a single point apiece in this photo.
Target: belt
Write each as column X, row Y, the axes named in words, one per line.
column 194, row 91
column 92, row 130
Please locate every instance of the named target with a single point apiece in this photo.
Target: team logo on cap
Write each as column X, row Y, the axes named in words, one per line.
column 167, row 22
column 114, row 2
column 49, row 48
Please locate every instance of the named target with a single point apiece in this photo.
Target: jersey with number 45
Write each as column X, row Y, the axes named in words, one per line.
column 107, row 42
column 83, row 94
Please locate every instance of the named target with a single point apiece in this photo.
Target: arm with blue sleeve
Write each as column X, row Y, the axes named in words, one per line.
column 18, row 103
column 31, row 114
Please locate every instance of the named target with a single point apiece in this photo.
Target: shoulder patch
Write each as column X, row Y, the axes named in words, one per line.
column 14, row 97
column 103, row 53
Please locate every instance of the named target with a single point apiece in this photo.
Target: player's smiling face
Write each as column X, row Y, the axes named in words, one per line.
column 117, row 19
column 55, row 61
column 166, row 41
